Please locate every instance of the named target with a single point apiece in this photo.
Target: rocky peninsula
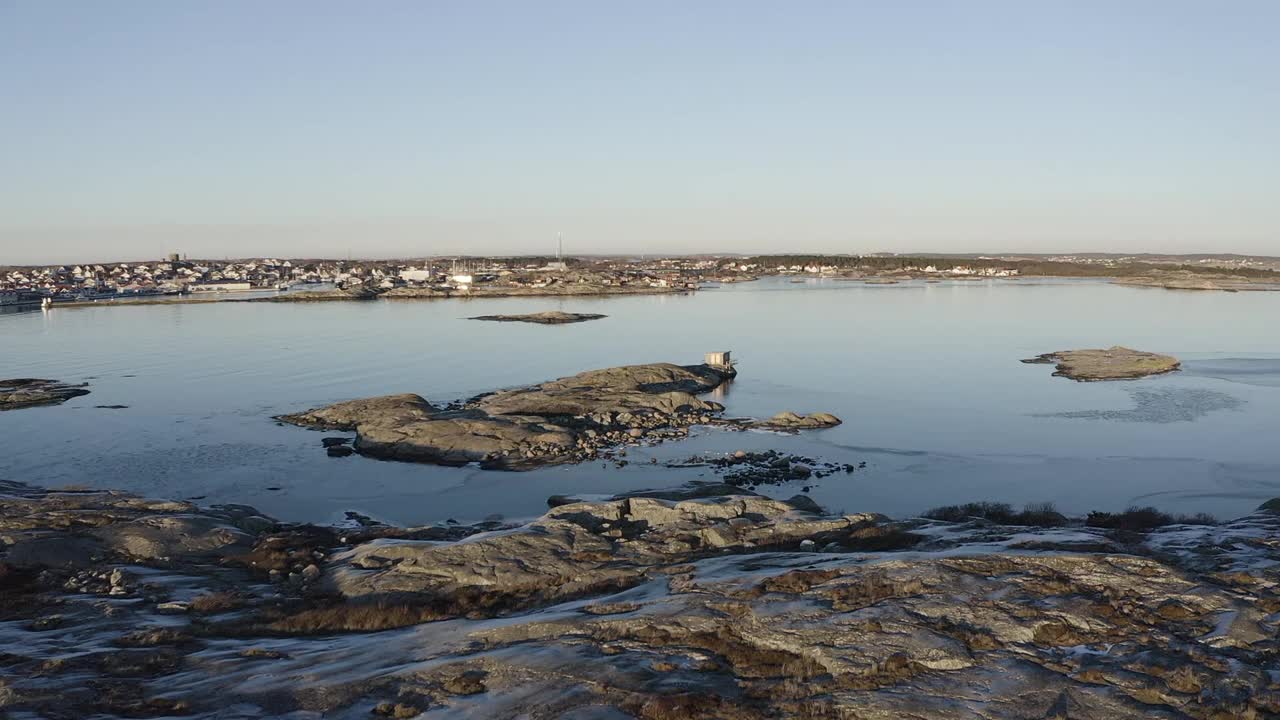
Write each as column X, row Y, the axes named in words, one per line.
column 551, row 317
column 1186, row 280
column 1115, row 363
column 724, row 607
column 19, row 393
column 573, row 419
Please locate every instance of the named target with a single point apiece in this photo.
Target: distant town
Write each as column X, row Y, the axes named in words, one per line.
column 176, row 276
column 451, row 276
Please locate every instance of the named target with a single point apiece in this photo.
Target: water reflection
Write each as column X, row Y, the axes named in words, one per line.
column 1161, row 406
column 721, row 392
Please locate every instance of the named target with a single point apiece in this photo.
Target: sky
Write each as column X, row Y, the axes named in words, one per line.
column 134, row 128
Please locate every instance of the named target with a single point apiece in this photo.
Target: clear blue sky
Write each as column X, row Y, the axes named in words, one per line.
column 132, row 128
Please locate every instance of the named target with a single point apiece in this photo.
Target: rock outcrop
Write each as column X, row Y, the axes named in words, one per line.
column 577, row 548
column 544, row 318
column 729, row 607
column 31, row 392
column 788, row 420
column 660, row 388
column 566, row 420
column 467, row 436
column 1116, row 363
column 80, row 529
column 1184, row 280
column 744, row 469
column 384, row 410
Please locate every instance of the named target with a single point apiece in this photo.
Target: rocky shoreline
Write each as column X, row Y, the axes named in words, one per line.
column 722, row 607
column 743, row 469
column 1115, row 363
column 1175, row 280
column 403, row 293
column 588, row 416
column 20, row 393
column 335, row 294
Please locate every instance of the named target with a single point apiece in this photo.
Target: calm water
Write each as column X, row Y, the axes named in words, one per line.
column 926, row 377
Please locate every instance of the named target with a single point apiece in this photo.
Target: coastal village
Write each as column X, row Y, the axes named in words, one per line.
column 176, row 275
column 458, row 276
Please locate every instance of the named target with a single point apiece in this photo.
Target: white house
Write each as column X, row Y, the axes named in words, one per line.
column 415, row 275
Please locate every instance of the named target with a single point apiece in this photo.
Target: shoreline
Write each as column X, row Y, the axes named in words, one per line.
column 754, row 608
column 1194, row 283
column 1199, row 285
column 339, row 296
column 990, row 514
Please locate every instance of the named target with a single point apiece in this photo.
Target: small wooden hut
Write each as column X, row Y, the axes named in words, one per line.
column 718, row 359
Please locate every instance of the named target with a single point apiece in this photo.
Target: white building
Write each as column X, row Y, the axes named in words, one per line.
column 414, row 275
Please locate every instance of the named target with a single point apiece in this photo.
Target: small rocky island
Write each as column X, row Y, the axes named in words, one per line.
column 31, row 392
column 1115, row 363
column 573, row 419
column 789, row 421
column 733, row 607
column 553, row 317
column 1205, row 281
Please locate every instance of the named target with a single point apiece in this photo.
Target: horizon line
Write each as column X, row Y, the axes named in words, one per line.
column 721, row 254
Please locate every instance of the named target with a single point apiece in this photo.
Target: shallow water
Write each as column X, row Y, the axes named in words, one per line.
column 926, row 377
